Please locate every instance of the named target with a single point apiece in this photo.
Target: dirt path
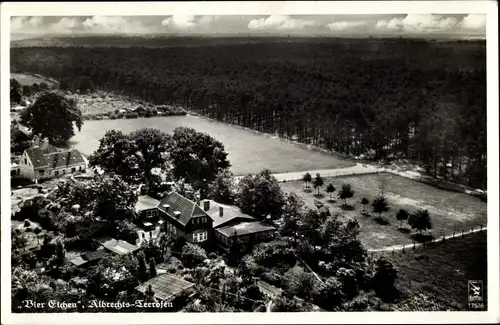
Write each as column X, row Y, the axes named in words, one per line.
column 410, row 246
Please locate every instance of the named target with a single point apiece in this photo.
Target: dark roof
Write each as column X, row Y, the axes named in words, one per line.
column 245, row 228
column 185, row 206
column 120, row 247
column 165, row 286
column 37, row 157
column 146, row 202
column 98, row 254
column 229, row 213
column 66, row 158
column 46, row 155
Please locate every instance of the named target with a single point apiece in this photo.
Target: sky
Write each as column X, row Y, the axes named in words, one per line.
column 465, row 25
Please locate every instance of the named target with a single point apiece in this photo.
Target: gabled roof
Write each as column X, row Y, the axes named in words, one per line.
column 46, row 155
column 37, row 157
column 229, row 213
column 66, row 158
column 165, row 286
column 146, row 202
column 245, row 228
column 187, row 208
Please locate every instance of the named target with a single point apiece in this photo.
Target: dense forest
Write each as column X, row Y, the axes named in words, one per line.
column 398, row 98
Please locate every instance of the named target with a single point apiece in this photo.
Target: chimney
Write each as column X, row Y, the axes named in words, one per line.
column 206, row 205
column 36, row 141
column 221, row 211
column 45, row 144
column 177, row 214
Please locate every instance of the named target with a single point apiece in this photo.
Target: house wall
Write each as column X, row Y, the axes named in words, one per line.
column 26, row 167
column 55, row 172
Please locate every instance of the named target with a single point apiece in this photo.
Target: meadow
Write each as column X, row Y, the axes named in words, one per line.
column 248, row 152
column 450, row 211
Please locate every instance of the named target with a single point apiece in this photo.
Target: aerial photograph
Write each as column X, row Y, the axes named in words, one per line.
column 248, row 163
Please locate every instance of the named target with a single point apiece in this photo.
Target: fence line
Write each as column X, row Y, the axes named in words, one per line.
column 390, row 251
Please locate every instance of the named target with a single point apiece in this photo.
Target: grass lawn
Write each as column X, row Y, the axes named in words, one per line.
column 442, row 271
column 449, row 211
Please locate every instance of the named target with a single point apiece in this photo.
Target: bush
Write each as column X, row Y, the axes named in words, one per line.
column 193, row 255
column 172, row 269
column 271, row 277
column 131, row 115
column 212, row 255
column 180, row 267
column 27, row 223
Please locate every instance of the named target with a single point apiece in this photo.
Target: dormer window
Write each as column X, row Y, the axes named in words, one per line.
column 177, row 214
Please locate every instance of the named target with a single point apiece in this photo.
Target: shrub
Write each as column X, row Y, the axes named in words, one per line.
column 180, row 267
column 27, row 223
column 193, row 255
column 212, row 255
column 171, row 269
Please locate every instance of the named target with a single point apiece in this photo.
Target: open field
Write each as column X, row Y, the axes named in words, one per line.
column 31, row 78
column 442, row 271
column 248, row 152
column 449, row 211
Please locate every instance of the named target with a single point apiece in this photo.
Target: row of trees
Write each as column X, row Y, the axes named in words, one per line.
column 410, row 99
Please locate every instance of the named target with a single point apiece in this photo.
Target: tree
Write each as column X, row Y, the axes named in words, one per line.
column 197, row 156
column 380, row 205
column 15, row 91
column 318, row 182
column 152, row 268
column 330, row 189
column 223, row 188
column 329, row 295
column 385, row 275
column 135, row 155
column 364, row 201
column 27, row 90
column 283, row 303
column 192, row 255
column 142, row 268
column 106, row 196
column 236, row 250
column 52, row 116
column 37, row 232
column 149, row 293
column 346, row 192
column 292, row 213
column 59, row 253
column 420, row 220
column 307, row 178
column 260, row 195
column 402, row 215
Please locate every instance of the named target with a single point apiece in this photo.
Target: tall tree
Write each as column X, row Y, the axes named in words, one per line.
column 318, row 182
column 330, row 189
column 307, row 178
column 380, row 205
column 346, row 192
column 52, row 116
column 420, row 220
column 364, row 201
column 260, row 195
column 197, row 156
column 402, row 215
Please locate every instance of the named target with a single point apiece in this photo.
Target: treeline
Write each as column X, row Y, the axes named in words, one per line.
column 396, row 99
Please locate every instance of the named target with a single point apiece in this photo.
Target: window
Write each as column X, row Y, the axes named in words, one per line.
column 64, row 171
column 25, row 161
column 73, row 169
column 42, row 172
column 148, row 213
column 200, row 237
column 56, row 172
